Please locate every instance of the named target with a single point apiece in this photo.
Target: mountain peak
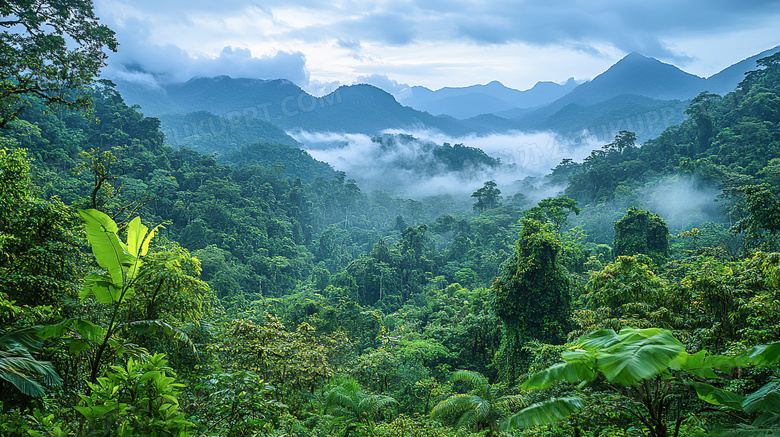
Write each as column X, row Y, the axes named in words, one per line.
column 640, row 75
column 635, row 56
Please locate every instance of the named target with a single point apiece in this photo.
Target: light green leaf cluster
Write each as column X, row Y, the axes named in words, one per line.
column 122, row 262
column 628, row 359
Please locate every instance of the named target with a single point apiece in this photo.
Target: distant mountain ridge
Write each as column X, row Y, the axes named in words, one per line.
column 637, row 92
column 354, row 108
column 725, row 80
column 638, row 75
column 470, row 101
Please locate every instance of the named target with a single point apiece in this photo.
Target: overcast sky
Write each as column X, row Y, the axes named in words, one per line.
column 320, row 44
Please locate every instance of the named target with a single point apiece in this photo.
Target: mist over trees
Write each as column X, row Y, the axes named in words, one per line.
column 153, row 290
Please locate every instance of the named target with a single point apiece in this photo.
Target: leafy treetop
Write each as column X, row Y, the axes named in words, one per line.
column 50, row 49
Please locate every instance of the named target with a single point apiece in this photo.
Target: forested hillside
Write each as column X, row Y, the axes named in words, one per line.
column 150, row 290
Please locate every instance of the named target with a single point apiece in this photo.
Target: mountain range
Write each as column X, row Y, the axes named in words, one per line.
column 637, row 93
column 474, row 100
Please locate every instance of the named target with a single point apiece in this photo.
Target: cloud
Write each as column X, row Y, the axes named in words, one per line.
column 398, row 169
column 143, row 54
column 139, row 61
column 627, row 26
column 385, row 83
column 682, row 201
column 345, row 39
column 171, row 64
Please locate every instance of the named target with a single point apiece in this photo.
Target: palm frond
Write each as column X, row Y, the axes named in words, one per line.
column 474, row 379
column 468, row 420
column 25, row 337
column 766, row 425
column 454, row 405
column 22, row 370
column 544, row 413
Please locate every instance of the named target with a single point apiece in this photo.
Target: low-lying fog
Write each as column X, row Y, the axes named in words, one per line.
column 407, row 167
column 395, row 169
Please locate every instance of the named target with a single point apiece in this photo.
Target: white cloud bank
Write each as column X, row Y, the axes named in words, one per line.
column 397, row 169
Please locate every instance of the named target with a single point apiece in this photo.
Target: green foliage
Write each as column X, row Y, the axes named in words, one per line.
column 307, row 282
column 650, row 363
column 116, row 286
column 626, row 293
column 208, row 133
column 51, row 50
column 18, row 366
column 297, row 162
column 353, row 408
column 544, row 413
column 236, row 404
column 415, row 426
column 556, row 210
column 488, row 196
column 291, row 360
column 482, row 408
column 760, row 225
column 40, row 253
column 532, row 296
column 140, row 398
column 641, row 231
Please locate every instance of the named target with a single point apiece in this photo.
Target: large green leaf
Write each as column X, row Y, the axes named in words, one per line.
column 765, row 399
column 544, row 413
column 602, row 338
column 136, row 236
column 572, row 372
column 716, row 396
column 630, row 335
column 89, row 331
column 641, row 358
column 703, row 365
column 109, row 251
column 695, row 365
column 82, row 333
column 104, row 291
column 765, row 354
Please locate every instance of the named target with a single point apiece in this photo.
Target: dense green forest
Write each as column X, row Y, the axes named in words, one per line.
column 150, row 290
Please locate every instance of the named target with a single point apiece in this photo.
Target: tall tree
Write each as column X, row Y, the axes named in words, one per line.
column 700, row 109
column 487, row 197
column 554, row 209
column 50, row 49
column 641, row 231
column 623, row 140
column 533, row 297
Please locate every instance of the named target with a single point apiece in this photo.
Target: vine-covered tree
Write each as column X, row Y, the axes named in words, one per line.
column 532, row 297
column 641, row 231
